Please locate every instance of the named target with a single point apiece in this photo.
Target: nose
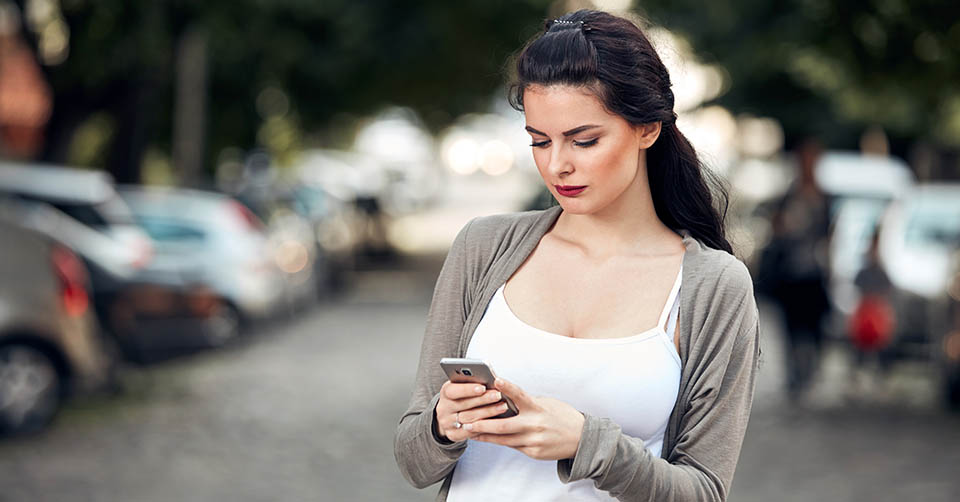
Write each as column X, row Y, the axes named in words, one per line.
column 560, row 165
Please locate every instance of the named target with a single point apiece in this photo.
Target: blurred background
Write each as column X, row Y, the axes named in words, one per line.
column 222, row 221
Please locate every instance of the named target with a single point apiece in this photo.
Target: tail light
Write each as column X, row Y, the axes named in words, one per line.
column 202, row 301
column 143, row 253
column 951, row 346
column 73, row 280
column 250, row 221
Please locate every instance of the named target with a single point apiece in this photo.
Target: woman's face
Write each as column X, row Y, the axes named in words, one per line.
column 588, row 157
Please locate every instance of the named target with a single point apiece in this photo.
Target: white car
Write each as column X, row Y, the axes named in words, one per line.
column 919, row 241
column 212, row 239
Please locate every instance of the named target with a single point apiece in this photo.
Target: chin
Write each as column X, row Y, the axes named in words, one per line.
column 575, row 206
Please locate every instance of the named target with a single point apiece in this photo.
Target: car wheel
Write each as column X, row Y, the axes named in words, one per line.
column 223, row 325
column 30, row 389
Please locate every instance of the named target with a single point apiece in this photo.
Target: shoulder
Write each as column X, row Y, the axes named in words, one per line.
column 507, row 223
column 720, row 306
column 717, row 272
column 504, row 230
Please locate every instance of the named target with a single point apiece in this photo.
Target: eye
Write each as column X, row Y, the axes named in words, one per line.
column 540, row 144
column 586, row 144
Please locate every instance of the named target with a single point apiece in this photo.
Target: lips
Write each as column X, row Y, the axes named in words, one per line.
column 570, row 190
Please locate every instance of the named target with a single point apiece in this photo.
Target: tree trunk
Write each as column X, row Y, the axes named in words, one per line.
column 190, row 104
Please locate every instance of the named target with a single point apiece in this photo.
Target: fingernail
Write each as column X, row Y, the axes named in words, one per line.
column 496, row 396
column 468, row 427
column 498, row 382
column 479, row 389
column 503, row 406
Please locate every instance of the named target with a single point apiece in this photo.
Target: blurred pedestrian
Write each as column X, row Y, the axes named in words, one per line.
column 871, row 326
column 797, row 267
column 554, row 301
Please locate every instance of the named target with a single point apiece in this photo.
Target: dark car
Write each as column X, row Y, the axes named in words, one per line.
column 950, row 355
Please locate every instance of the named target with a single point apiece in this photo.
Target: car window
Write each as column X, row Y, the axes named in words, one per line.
column 934, row 222
column 162, row 230
column 100, row 215
column 84, row 213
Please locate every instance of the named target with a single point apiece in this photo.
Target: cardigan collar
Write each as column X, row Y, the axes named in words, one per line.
column 508, row 263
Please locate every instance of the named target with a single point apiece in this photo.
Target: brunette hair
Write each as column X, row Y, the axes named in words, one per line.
column 611, row 57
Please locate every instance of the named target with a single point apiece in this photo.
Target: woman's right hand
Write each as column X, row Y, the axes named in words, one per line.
column 465, row 403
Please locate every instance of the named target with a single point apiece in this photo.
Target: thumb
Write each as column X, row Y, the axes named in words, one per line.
column 515, row 393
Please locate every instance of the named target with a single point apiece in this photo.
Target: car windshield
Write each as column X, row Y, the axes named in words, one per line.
column 934, row 221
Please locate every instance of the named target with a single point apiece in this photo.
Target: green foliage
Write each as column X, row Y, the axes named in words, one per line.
column 831, row 67
column 330, row 58
column 819, row 66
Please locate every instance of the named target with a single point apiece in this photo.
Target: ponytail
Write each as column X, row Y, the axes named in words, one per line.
column 683, row 189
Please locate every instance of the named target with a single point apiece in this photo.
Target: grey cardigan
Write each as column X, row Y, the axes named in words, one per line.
column 719, row 351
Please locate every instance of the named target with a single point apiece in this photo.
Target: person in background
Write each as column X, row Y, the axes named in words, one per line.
column 872, row 323
column 801, row 227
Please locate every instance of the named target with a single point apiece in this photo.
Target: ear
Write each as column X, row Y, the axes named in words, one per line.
column 647, row 134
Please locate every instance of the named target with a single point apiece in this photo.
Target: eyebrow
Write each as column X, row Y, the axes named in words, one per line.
column 571, row 132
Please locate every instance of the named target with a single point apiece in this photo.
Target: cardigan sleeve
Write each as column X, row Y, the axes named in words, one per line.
column 422, row 457
column 711, row 429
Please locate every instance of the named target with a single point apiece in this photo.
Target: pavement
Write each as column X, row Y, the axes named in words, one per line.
column 305, row 410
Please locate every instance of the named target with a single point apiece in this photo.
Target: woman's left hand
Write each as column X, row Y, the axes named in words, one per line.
column 545, row 428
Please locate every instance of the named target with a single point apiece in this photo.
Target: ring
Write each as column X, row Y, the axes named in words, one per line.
column 456, row 422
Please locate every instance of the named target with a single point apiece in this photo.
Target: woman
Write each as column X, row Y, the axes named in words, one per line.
column 619, row 323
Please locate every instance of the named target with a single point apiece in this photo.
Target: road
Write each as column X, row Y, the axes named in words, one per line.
column 305, row 410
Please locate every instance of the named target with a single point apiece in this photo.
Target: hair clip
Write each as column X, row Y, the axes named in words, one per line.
column 565, row 24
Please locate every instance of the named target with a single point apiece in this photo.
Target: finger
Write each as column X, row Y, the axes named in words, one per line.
column 511, row 440
column 515, row 393
column 512, row 425
column 488, row 397
column 448, row 428
column 456, row 391
column 456, row 435
column 488, row 411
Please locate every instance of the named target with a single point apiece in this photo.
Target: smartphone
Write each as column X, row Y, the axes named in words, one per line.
column 475, row 371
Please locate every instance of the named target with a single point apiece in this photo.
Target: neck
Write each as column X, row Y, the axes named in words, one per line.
column 627, row 226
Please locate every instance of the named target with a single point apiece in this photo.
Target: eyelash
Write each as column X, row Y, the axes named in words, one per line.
column 582, row 144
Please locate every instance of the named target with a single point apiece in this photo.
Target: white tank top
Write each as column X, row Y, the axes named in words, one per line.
column 632, row 380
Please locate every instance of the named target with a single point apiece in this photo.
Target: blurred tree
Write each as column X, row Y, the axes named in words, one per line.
column 832, row 67
column 280, row 71
column 276, row 68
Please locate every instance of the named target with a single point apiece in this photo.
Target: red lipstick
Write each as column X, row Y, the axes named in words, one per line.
column 570, row 190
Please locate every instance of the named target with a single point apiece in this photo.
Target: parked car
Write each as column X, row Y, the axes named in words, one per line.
column 214, row 242
column 919, row 239
column 950, row 353
column 337, row 227
column 89, row 215
column 50, row 347
column 81, row 209
column 292, row 238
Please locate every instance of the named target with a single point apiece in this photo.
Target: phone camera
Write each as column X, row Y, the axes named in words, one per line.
column 467, row 372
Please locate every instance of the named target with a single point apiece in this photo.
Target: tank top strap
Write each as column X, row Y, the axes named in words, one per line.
column 668, row 307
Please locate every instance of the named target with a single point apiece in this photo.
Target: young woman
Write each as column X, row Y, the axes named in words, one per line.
column 618, row 322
